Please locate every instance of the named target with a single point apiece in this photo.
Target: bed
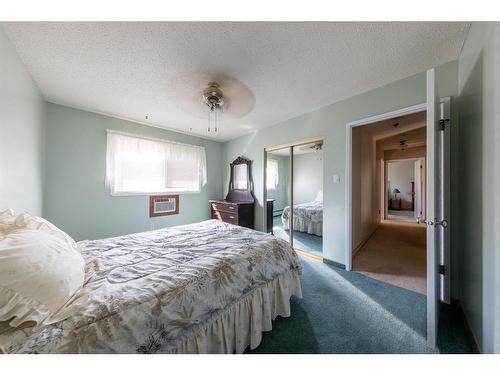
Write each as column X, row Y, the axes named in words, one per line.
column 307, row 217
column 209, row 287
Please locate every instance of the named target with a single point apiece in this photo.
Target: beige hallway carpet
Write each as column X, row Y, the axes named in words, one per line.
column 396, row 254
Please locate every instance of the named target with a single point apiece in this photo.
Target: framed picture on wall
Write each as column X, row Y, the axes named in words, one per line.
column 163, row 205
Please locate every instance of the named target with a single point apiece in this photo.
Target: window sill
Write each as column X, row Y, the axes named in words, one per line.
column 139, row 193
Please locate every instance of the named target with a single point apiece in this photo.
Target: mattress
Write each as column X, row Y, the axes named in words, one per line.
column 209, row 287
column 307, row 218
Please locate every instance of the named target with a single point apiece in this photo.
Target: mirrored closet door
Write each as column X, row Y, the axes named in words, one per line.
column 278, row 191
column 294, row 178
column 308, row 198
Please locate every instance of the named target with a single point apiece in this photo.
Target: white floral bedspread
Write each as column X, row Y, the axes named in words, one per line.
column 312, row 211
column 147, row 292
column 307, row 218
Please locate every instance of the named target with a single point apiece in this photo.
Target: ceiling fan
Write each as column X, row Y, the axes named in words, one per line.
column 203, row 94
column 316, row 147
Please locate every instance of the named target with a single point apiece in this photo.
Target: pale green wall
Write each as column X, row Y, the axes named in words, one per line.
column 479, row 84
column 307, row 177
column 330, row 122
column 21, row 134
column 75, row 197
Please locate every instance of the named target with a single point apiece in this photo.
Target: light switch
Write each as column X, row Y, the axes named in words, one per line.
column 336, row 179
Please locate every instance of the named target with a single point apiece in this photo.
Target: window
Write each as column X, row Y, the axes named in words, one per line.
column 142, row 166
column 272, row 176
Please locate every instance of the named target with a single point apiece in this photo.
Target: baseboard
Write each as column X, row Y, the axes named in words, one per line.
column 309, row 255
column 476, row 348
column 333, row 263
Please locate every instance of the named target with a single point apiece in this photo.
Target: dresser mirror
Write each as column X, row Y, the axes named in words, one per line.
column 240, row 181
column 240, row 177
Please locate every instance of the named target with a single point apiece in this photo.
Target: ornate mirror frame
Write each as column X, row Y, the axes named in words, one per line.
column 239, row 195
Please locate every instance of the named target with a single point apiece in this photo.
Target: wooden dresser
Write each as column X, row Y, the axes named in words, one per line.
column 269, row 215
column 236, row 213
column 395, row 204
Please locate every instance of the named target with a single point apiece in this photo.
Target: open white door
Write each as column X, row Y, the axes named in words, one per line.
column 418, row 191
column 432, row 204
column 437, row 207
column 445, row 194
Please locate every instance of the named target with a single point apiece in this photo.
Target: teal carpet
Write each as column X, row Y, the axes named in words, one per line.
column 302, row 241
column 346, row 312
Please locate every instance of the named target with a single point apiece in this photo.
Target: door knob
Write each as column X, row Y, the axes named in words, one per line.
column 424, row 221
column 428, row 222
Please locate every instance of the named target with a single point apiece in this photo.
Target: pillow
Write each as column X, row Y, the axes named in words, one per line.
column 39, row 272
column 6, row 213
column 9, row 221
column 319, row 196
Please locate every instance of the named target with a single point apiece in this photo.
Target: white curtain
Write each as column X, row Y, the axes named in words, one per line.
column 145, row 165
column 272, row 176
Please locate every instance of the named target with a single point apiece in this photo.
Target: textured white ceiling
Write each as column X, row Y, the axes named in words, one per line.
column 269, row 71
column 413, row 138
column 388, row 133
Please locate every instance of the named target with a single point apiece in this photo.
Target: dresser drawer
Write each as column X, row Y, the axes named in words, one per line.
column 223, row 206
column 228, row 217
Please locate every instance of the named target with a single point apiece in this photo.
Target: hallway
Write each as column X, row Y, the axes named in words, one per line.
column 395, row 254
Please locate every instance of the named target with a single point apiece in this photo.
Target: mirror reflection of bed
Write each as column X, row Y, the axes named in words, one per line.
column 307, row 216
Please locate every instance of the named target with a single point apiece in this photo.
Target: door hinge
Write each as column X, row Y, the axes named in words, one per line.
column 441, row 269
column 442, row 123
column 443, row 223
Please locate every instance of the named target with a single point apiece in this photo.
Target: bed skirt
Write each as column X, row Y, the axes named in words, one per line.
column 241, row 325
column 304, row 225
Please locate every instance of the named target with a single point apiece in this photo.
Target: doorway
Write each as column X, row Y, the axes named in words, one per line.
column 294, row 194
column 388, row 243
column 405, row 190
